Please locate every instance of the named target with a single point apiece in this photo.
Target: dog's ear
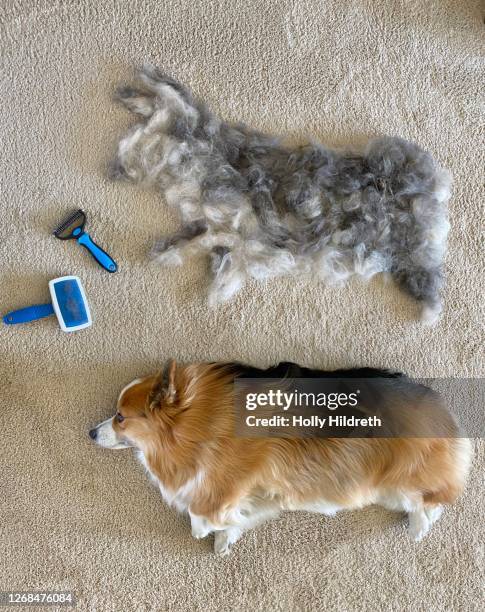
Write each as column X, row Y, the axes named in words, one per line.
column 164, row 388
column 169, row 374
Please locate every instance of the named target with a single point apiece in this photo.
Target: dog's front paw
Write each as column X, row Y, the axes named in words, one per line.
column 200, row 527
column 223, row 540
column 199, row 533
column 418, row 525
column 222, row 544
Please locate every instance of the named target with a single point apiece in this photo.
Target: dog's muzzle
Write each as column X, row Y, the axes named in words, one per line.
column 106, row 436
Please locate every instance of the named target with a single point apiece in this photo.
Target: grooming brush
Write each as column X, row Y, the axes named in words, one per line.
column 68, row 303
column 73, row 227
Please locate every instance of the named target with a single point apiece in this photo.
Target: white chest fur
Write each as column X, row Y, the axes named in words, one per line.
column 179, row 498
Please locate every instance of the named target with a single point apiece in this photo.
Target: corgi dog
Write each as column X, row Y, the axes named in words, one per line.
column 182, row 423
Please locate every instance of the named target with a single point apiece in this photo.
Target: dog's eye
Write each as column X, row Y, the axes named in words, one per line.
column 119, row 417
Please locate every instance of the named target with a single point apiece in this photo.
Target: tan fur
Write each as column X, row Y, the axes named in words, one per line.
column 188, row 427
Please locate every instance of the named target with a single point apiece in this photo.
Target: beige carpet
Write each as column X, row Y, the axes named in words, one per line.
column 76, row 517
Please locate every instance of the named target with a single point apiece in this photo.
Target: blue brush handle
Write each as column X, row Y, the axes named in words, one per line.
column 31, row 313
column 97, row 252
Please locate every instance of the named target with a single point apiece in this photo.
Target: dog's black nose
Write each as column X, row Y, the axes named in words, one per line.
column 93, row 433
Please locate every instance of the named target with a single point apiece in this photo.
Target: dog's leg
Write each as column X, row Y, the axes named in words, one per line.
column 418, row 524
column 201, row 526
column 420, row 515
column 228, row 524
column 251, row 514
column 224, row 539
column 433, row 512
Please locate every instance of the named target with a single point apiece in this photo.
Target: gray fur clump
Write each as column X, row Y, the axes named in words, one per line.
column 260, row 208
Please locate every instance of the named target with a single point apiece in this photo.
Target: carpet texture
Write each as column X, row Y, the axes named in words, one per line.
column 76, row 517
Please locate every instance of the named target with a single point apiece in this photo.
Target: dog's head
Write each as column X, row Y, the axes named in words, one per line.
column 145, row 408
